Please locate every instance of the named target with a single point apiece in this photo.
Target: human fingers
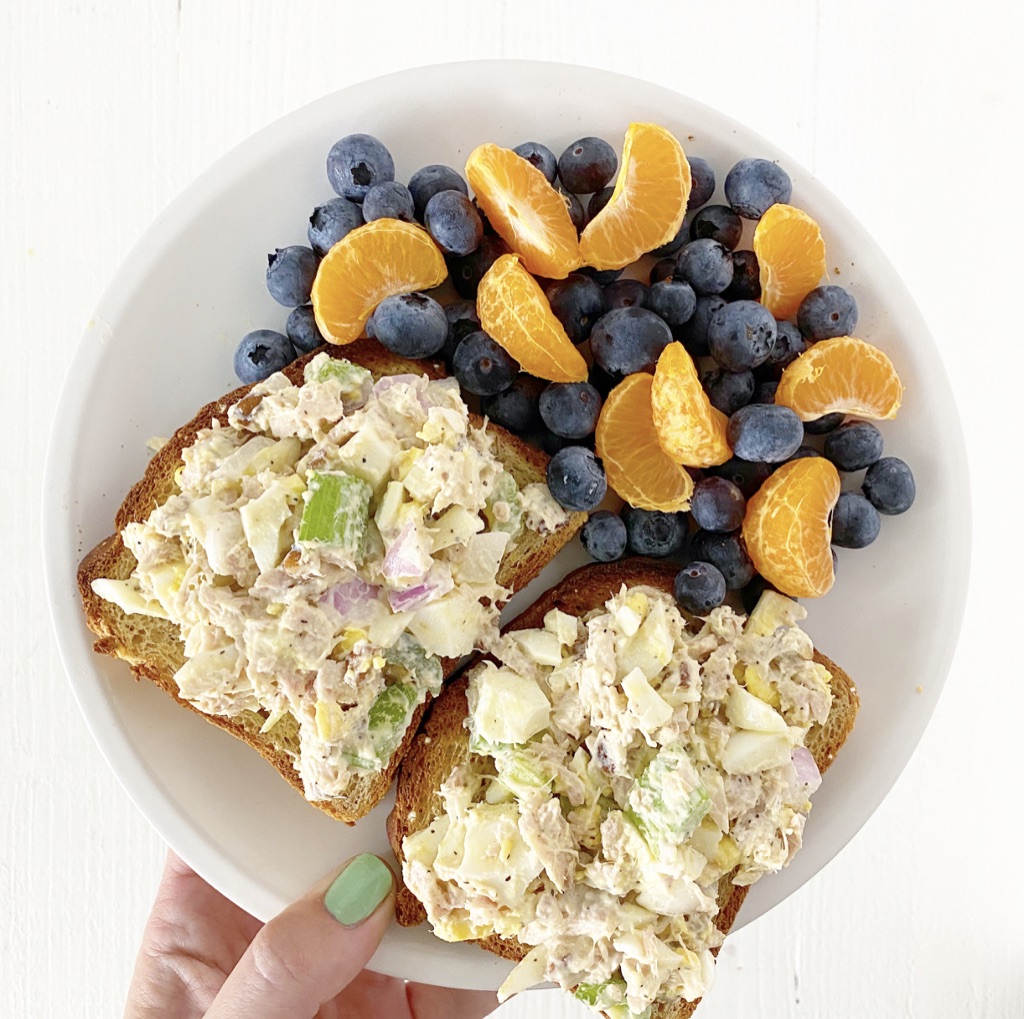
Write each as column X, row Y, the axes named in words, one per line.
column 307, row 954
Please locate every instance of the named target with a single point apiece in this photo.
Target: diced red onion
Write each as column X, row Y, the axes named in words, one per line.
column 346, row 597
column 387, row 381
column 397, row 562
column 413, row 597
column 806, row 769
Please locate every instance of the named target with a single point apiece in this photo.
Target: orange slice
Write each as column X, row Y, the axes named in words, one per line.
column 844, row 375
column 374, row 261
column 690, row 430
column 788, row 527
column 791, row 255
column 514, row 311
column 526, row 211
column 638, row 469
column 648, row 203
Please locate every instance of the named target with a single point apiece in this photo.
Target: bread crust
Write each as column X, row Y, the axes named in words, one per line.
column 443, row 741
column 152, row 647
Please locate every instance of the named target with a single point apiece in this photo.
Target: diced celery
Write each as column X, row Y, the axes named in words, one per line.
column 522, row 774
column 667, row 801
column 351, row 376
column 603, row 995
column 408, row 658
column 336, row 512
column 507, row 492
column 389, row 717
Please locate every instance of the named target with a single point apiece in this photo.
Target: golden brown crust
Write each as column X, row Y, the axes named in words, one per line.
column 443, row 741
column 152, row 647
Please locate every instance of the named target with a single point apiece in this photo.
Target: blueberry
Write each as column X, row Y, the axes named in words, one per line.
column 855, row 522
column 332, row 221
column 823, row 425
column 695, row 333
column 826, row 312
column 290, row 274
column 789, row 345
column 717, row 504
column 570, row 409
column 766, row 432
column 515, row 408
column 629, row 340
column 741, row 335
column 575, row 207
column 719, row 223
column 746, row 277
column 728, row 391
column 663, row 269
column 854, row 445
column 481, row 366
column 600, row 276
column 604, row 536
column 410, row 325
column 389, row 200
column 598, row 200
column 261, row 353
column 654, row 533
column 467, row 271
column 673, row 301
column 624, row 294
column 702, row 177
column 576, row 479
column 462, row 320
column 541, row 157
column 699, row 588
column 765, row 392
column 727, row 553
column 805, row 451
column 587, row 165
column 752, row 186
column 431, row 180
column 746, row 475
column 889, row 486
column 578, row 302
column 454, row 223
column 302, row 329
column 551, row 443
column 356, row 163
column 706, row 265
column 672, row 247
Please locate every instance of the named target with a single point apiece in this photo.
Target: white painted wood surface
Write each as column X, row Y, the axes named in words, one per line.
column 910, row 112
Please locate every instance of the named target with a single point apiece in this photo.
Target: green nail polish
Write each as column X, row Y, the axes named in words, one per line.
column 358, row 890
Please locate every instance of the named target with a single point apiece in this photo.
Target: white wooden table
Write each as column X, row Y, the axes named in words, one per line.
column 910, row 112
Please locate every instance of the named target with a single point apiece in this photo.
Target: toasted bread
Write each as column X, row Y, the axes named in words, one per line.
column 152, row 647
column 443, row 742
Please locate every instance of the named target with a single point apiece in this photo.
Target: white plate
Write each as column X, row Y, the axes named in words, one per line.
column 160, row 346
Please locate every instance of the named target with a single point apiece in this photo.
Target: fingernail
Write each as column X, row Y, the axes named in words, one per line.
column 358, row 890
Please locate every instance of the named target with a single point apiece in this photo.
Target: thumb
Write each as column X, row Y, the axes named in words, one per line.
column 311, row 951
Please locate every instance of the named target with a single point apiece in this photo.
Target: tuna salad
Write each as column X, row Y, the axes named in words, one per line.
column 621, row 765
column 327, row 544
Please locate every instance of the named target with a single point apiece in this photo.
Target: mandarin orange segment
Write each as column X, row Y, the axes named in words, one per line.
column 690, row 430
column 526, row 211
column 791, row 255
column 647, row 204
column 843, row 375
column 514, row 311
column 372, row 262
column 788, row 527
column 638, row 469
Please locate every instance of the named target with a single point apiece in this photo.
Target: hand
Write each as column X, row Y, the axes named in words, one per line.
column 202, row 956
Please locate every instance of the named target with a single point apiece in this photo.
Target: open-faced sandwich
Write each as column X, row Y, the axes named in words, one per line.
column 309, row 557
column 594, row 800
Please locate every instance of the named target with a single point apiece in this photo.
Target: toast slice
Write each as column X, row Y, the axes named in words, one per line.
column 443, row 742
column 152, row 647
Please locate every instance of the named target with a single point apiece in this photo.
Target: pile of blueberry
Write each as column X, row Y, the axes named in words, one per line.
column 701, row 290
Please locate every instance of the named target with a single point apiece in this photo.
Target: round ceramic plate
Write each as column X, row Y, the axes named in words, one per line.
column 160, row 346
